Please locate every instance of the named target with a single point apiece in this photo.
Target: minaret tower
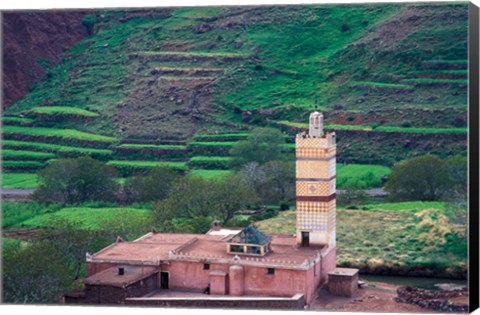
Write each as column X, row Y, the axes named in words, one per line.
column 315, row 181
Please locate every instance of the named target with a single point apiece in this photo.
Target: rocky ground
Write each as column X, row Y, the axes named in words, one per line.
column 380, row 297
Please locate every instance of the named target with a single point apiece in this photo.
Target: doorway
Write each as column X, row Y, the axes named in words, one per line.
column 305, row 239
column 163, row 280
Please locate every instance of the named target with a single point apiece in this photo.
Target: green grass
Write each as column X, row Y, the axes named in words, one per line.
column 62, row 110
column 206, row 159
column 407, row 206
column 57, row 133
column 19, row 180
column 88, row 218
column 379, row 128
column 197, row 53
column 28, row 155
column 221, row 137
column 225, row 144
column 152, row 146
column 381, row 85
column 14, row 213
column 436, row 81
column 209, row 174
column 360, row 176
column 48, row 147
column 147, row 164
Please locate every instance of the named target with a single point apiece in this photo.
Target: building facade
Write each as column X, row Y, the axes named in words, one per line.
column 231, row 263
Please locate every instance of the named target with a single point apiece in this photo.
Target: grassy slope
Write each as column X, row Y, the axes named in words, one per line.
column 390, row 237
column 19, row 180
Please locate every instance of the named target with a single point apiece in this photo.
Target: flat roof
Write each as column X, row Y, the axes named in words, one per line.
column 111, row 277
column 343, row 272
column 153, row 248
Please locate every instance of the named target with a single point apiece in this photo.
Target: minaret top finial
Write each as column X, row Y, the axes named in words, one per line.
column 316, row 124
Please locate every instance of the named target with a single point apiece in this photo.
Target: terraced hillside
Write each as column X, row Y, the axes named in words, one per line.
column 178, row 87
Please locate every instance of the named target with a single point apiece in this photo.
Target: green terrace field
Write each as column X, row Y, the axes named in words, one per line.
column 55, row 148
column 25, row 155
column 69, row 135
column 61, row 111
column 413, row 238
column 19, row 180
column 209, row 162
column 151, row 146
column 128, row 168
column 8, row 120
column 221, row 137
column 379, row 128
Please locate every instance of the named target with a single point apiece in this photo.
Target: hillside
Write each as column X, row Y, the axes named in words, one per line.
column 138, row 90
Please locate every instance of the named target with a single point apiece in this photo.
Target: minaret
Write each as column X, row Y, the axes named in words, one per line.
column 315, row 181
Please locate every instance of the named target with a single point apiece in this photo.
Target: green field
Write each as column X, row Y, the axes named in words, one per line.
column 17, row 120
column 147, row 164
column 19, row 180
column 379, row 128
column 27, row 155
column 224, row 144
column 209, row 174
column 360, row 176
column 62, row 110
column 151, row 146
column 68, row 134
column 88, row 218
column 48, row 147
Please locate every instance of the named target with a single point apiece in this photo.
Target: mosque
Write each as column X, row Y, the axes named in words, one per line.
column 228, row 266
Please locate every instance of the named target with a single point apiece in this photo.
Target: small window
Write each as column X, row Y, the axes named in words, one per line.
column 206, row 266
column 271, row 271
column 236, row 248
column 254, row 250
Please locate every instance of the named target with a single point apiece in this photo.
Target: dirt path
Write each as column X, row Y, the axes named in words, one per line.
column 380, row 298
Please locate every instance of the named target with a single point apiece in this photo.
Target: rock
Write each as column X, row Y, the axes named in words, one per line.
column 203, row 28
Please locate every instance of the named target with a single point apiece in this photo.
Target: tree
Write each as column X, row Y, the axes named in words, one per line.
column 77, row 180
column 231, row 195
column 154, row 186
column 274, row 181
column 197, row 198
column 421, row 178
column 262, row 145
column 456, row 169
column 33, row 273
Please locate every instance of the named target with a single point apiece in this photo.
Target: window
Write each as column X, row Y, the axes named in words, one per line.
column 236, row 248
column 270, row 271
column 254, row 250
column 206, row 266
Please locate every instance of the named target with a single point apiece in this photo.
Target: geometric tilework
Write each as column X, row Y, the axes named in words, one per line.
column 315, row 152
column 315, row 188
column 316, row 184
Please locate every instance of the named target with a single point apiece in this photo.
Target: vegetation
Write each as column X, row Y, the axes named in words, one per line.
column 87, row 218
column 128, row 168
column 194, row 200
column 154, row 186
column 19, row 180
column 261, row 146
column 47, row 133
column 428, row 178
column 419, row 241
column 25, row 155
column 62, row 111
column 209, row 162
column 151, row 146
column 78, row 180
column 357, row 176
column 48, row 147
